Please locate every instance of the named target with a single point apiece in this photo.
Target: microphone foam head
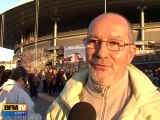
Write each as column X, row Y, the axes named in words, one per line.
column 82, row 111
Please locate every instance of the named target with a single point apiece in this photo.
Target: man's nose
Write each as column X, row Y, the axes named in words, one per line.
column 102, row 51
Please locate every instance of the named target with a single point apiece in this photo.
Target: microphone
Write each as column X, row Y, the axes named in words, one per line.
column 82, row 111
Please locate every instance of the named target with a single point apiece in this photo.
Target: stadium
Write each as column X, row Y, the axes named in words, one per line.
column 39, row 31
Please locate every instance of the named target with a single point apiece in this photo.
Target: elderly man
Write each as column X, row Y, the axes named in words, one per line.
column 116, row 89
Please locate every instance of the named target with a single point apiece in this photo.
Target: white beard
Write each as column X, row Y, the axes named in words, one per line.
column 100, row 77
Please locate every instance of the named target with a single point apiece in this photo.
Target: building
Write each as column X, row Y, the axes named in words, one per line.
column 33, row 27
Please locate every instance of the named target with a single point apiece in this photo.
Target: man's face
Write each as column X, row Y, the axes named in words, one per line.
column 23, row 82
column 106, row 66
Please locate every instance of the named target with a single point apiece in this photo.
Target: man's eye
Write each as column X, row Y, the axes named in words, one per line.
column 114, row 43
column 92, row 42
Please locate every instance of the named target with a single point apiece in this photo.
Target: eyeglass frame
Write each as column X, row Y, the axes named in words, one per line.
column 121, row 47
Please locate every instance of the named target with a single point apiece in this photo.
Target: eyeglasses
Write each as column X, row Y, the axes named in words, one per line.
column 112, row 45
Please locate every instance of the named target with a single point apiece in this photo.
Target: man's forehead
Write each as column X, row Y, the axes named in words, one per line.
column 113, row 31
column 101, row 37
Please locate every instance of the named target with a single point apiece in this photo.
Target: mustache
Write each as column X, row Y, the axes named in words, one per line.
column 105, row 62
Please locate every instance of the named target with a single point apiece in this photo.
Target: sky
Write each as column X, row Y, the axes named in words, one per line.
column 6, row 54
column 4, row 4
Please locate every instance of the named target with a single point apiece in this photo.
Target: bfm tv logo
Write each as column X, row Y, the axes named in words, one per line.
column 14, row 110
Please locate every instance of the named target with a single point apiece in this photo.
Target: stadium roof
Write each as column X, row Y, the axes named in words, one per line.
column 21, row 17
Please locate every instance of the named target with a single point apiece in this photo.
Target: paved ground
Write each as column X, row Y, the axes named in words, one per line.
column 42, row 103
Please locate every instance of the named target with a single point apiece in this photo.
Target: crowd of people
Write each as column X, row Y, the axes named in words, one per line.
column 52, row 81
column 115, row 88
column 4, row 74
column 15, row 84
column 154, row 76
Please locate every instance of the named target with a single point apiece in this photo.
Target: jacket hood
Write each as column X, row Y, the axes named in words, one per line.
column 145, row 94
column 8, row 85
column 140, row 82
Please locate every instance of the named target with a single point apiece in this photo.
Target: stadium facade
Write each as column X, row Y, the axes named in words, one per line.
column 39, row 30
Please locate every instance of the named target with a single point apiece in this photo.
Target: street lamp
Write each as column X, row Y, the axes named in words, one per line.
column 55, row 40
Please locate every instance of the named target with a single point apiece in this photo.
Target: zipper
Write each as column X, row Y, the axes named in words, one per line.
column 103, row 104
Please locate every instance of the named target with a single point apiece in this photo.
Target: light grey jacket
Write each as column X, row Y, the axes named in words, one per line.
column 13, row 93
column 143, row 105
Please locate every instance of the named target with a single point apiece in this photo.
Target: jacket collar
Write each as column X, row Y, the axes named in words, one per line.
column 74, row 87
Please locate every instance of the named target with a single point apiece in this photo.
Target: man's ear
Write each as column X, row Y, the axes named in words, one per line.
column 132, row 53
